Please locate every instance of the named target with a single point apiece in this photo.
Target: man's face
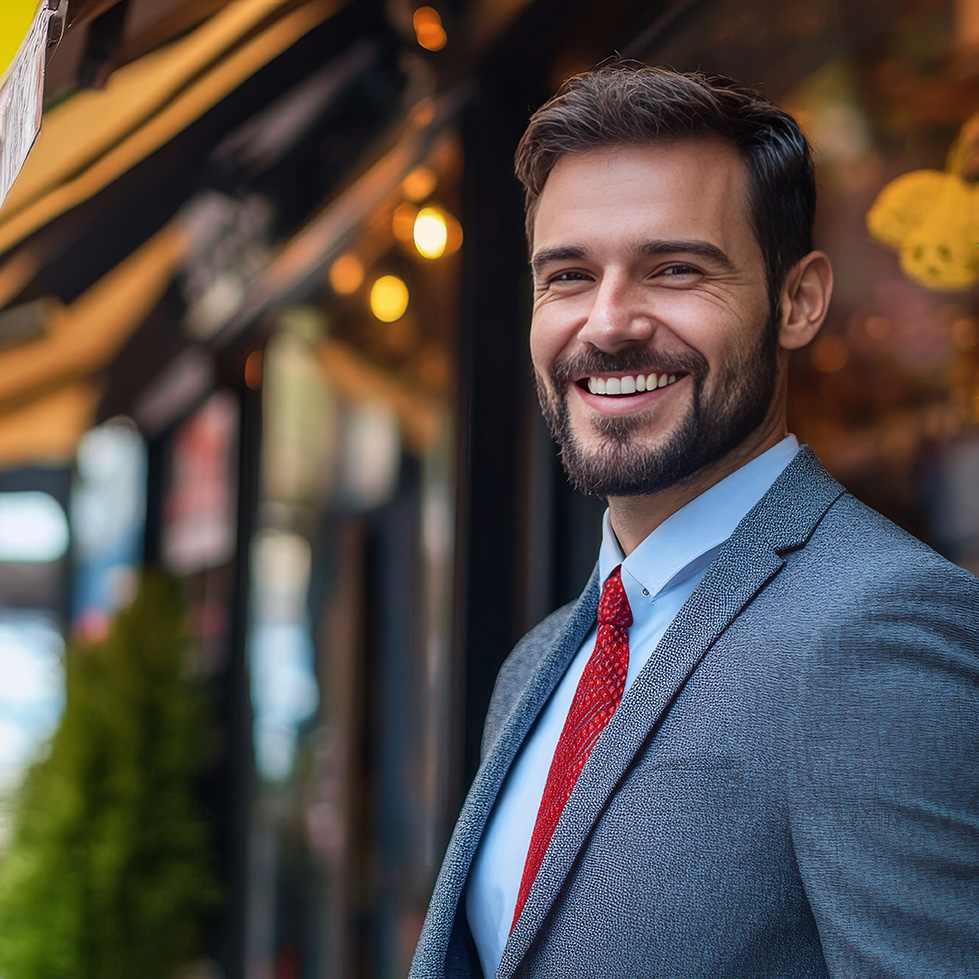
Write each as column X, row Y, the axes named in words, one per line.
column 651, row 342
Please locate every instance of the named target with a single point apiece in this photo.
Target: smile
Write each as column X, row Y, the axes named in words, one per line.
column 630, row 384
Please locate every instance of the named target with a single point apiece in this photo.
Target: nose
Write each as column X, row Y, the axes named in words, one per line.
column 619, row 316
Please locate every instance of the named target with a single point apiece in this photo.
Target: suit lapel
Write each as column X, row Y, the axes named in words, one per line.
column 556, row 654
column 782, row 520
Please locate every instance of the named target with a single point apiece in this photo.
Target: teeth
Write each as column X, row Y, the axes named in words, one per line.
column 629, row 384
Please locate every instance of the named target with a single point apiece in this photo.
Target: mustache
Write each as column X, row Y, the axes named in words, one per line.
column 632, row 361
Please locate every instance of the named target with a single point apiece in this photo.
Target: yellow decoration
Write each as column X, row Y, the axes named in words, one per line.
column 931, row 218
column 16, row 17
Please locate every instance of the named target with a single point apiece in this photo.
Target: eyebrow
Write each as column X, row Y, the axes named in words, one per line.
column 651, row 248
column 562, row 253
column 702, row 249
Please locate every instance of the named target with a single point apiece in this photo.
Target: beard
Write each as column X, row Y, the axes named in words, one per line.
column 626, row 463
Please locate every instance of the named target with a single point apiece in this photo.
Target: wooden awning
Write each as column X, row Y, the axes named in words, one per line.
column 94, row 137
column 49, row 386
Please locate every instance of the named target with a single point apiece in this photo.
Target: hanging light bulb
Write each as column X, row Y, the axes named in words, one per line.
column 346, row 274
column 389, row 298
column 419, row 184
column 428, row 29
column 403, row 221
column 430, row 232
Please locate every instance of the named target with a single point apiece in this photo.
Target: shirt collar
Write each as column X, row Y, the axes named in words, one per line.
column 689, row 538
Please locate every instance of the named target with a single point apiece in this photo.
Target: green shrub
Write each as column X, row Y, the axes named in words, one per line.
column 109, row 873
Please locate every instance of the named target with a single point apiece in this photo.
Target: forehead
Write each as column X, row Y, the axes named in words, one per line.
column 687, row 189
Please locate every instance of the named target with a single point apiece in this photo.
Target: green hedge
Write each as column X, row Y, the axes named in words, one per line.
column 110, row 874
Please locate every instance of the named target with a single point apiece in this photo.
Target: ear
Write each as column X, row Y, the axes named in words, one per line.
column 805, row 300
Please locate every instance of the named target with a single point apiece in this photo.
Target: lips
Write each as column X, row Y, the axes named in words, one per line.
column 627, row 384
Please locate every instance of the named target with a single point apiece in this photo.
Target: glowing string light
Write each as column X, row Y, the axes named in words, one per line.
column 430, row 232
column 389, row 298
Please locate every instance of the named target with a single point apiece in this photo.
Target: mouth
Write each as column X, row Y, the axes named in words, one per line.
column 627, row 384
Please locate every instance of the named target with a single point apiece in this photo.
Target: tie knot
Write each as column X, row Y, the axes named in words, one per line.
column 613, row 606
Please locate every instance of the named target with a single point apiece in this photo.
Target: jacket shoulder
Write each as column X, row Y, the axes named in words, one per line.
column 519, row 667
column 852, row 533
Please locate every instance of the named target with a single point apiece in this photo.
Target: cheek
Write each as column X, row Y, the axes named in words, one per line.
column 554, row 328
column 725, row 337
column 545, row 344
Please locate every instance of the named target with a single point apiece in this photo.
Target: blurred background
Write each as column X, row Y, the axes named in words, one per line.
column 263, row 314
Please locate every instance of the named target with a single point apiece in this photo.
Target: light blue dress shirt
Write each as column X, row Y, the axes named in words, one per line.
column 658, row 576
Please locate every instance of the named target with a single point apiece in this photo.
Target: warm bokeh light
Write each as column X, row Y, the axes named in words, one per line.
column 253, row 370
column 346, row 274
column 430, row 232
column 829, row 354
column 965, row 335
column 453, row 241
column 428, row 28
column 403, row 221
column 423, row 114
column 878, row 327
column 419, row 184
column 389, row 298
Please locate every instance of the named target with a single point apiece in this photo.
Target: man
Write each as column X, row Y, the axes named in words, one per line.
column 761, row 760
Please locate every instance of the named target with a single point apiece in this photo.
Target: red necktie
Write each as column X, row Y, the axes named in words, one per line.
column 598, row 694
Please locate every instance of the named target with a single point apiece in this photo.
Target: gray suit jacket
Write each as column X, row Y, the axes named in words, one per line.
column 789, row 789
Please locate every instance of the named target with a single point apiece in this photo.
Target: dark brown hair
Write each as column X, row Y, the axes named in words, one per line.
column 627, row 103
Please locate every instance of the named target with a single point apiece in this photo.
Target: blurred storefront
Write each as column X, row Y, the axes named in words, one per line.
column 264, row 302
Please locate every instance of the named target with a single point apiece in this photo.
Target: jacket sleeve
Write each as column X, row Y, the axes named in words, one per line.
column 884, row 793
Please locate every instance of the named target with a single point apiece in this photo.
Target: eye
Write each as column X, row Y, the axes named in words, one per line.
column 563, row 279
column 680, row 268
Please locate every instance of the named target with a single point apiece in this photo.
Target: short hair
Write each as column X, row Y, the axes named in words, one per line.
column 628, row 103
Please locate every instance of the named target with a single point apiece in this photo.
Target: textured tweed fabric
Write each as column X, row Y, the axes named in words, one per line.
column 788, row 790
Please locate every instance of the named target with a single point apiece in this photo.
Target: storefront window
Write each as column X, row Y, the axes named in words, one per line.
column 34, row 539
column 350, row 626
column 108, row 515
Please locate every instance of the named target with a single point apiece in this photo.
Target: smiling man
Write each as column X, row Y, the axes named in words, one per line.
column 749, row 749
